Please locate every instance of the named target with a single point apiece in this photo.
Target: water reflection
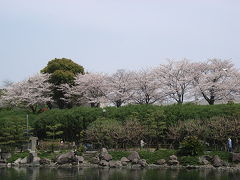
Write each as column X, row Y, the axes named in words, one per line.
column 114, row 174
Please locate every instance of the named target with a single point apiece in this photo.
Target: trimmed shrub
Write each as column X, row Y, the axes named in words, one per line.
column 191, row 146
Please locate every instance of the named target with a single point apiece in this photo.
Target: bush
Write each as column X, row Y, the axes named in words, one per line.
column 80, row 150
column 15, row 156
column 117, row 155
column 191, row 146
column 226, row 156
column 189, row 160
column 153, row 157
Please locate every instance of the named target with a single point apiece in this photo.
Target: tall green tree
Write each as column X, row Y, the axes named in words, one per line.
column 54, row 132
column 13, row 134
column 62, row 71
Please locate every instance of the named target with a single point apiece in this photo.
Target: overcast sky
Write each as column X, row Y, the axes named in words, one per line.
column 106, row 35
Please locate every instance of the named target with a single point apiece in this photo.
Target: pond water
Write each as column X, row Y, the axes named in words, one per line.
column 114, row 174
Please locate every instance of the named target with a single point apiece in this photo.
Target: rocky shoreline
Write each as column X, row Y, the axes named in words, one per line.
column 103, row 159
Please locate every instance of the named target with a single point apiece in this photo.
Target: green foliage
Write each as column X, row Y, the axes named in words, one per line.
column 80, row 150
column 66, row 65
column 13, row 134
column 73, row 121
column 191, row 146
column 153, row 157
column 224, row 155
column 189, row 160
column 53, row 131
column 63, row 71
column 15, row 156
column 161, row 124
column 117, row 155
column 50, row 155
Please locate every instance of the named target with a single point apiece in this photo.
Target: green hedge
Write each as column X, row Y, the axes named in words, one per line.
column 74, row 121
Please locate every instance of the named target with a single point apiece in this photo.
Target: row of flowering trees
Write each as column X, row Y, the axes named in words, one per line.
column 177, row 81
column 213, row 80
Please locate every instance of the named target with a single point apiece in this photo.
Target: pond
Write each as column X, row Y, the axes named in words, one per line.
column 114, row 174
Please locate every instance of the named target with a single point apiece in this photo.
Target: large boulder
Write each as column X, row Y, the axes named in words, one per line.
column 104, row 150
column 66, row 158
column 124, row 159
column 24, row 160
column 135, row 161
column 134, row 155
column 45, row 161
column 236, row 157
column 142, row 162
column 173, row 162
column 31, row 156
column 115, row 164
column 173, row 157
column 161, row 162
column 80, row 159
column 95, row 160
column 17, row 161
column 216, row 161
column 36, row 161
column 104, row 155
column 103, row 163
column 204, row 160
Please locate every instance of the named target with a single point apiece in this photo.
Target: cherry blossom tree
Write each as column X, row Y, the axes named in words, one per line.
column 30, row 93
column 175, row 79
column 146, row 88
column 120, row 87
column 88, row 88
column 216, row 80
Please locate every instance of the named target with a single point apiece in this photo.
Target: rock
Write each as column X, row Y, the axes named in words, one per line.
column 203, row 160
column 217, row 162
column 225, row 163
column 173, row 162
column 207, row 157
column 142, row 162
column 36, row 161
column 173, row 157
column 115, row 164
column 17, row 161
column 134, row 155
column 103, row 163
column 124, row 163
column 66, row 158
column 45, row 161
column 9, row 164
column 95, row 160
column 135, row 161
column 236, row 157
column 124, row 159
column 30, row 157
column 6, row 156
column 24, row 160
column 104, row 150
column 106, row 156
column 161, row 162
column 80, row 159
column 2, row 161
